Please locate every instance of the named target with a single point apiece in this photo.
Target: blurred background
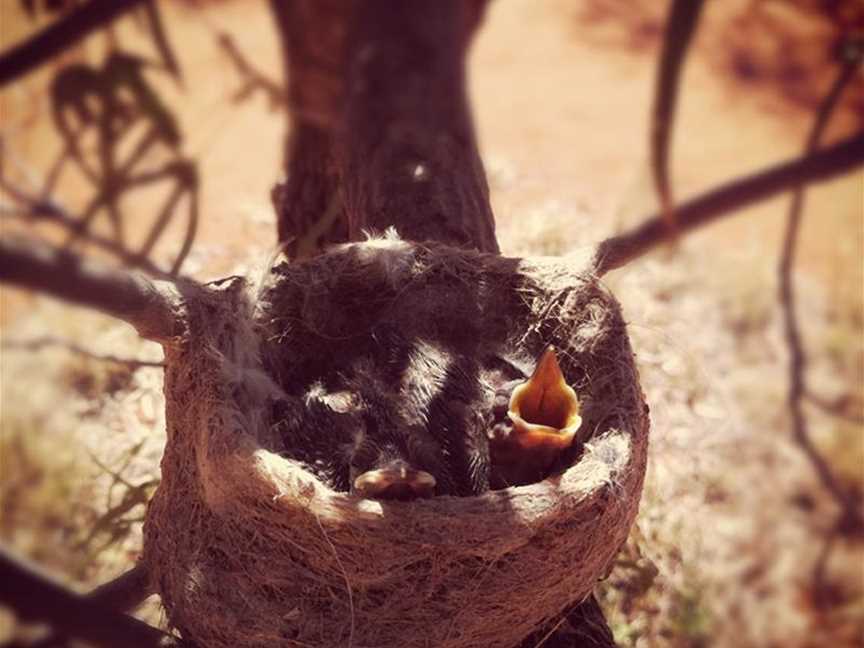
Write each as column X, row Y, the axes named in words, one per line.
column 737, row 542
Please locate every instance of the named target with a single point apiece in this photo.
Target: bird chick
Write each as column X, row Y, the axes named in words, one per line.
column 424, row 433
column 403, row 426
column 534, row 422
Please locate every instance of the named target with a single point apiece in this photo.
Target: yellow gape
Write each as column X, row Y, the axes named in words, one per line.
column 544, row 419
column 545, row 410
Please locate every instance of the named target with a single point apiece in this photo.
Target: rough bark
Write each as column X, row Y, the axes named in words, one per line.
column 410, row 155
column 308, row 203
column 381, row 130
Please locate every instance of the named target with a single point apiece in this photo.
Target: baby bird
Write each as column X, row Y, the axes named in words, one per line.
column 423, row 432
column 403, row 426
column 418, row 423
column 534, row 422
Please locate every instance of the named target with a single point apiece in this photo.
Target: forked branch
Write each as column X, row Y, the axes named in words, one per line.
column 145, row 304
column 34, row 596
column 828, row 163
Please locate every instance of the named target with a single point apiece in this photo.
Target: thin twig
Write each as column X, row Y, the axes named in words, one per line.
column 680, row 28
column 37, row 344
column 828, row 163
column 797, row 357
column 839, row 407
column 65, row 32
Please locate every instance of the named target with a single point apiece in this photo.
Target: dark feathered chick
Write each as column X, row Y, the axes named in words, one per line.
column 403, row 425
column 422, row 431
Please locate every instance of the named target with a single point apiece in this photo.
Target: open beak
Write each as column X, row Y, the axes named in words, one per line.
column 397, row 480
column 545, row 409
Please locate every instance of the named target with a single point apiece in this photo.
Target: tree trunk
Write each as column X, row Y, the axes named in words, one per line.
column 382, row 136
column 381, row 130
column 410, row 157
column 308, row 203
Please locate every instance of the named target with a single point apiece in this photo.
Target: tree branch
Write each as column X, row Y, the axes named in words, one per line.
column 21, row 59
column 410, row 155
column 40, row 343
column 797, row 357
column 133, row 298
column 124, row 593
column 840, row 158
column 36, row 597
column 680, row 28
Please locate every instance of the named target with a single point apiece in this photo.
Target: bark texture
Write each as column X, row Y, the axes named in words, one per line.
column 410, row 155
column 381, row 129
column 308, row 203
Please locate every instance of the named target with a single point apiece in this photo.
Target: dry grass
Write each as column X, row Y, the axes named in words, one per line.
column 80, row 441
column 733, row 519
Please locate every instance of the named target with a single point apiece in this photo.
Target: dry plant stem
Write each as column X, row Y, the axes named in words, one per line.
column 797, row 357
column 617, row 251
column 680, row 28
column 145, row 304
column 36, row 597
column 32, row 53
column 49, row 341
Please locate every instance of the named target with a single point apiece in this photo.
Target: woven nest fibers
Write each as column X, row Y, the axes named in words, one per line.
column 249, row 547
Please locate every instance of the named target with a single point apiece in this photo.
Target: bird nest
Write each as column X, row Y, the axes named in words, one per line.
column 250, row 548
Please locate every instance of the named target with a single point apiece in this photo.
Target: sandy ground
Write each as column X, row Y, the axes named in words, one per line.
column 562, row 125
